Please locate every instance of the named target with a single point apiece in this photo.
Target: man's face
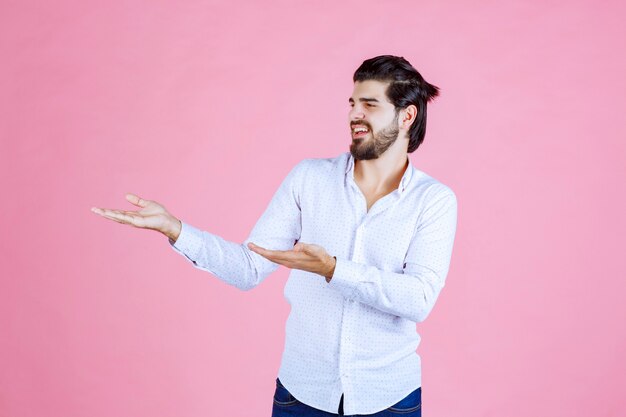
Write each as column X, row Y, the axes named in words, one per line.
column 373, row 120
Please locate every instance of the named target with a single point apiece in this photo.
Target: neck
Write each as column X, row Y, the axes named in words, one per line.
column 383, row 173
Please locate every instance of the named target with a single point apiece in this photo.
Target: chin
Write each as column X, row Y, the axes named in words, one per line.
column 361, row 154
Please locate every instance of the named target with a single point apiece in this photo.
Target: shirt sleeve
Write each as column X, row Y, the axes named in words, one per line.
column 278, row 228
column 412, row 293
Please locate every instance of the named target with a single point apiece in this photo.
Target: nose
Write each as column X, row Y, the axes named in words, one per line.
column 355, row 113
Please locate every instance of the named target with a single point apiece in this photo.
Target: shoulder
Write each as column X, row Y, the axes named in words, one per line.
column 327, row 163
column 321, row 166
column 436, row 203
column 433, row 191
column 312, row 174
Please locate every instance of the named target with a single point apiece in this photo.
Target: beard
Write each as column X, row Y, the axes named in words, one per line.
column 364, row 149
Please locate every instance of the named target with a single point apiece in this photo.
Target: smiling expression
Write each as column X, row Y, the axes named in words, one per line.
column 373, row 120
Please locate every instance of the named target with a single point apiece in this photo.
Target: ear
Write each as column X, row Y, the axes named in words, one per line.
column 407, row 116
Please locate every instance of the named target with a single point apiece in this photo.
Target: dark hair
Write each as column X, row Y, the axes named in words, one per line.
column 407, row 86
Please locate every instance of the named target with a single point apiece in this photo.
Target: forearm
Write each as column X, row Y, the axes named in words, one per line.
column 231, row 262
column 411, row 296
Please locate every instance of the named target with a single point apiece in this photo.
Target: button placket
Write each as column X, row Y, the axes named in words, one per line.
column 344, row 357
column 358, row 243
column 346, row 341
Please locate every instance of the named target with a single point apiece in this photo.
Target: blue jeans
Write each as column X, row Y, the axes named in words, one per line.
column 286, row 405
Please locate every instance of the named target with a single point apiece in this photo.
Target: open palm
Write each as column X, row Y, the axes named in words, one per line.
column 151, row 216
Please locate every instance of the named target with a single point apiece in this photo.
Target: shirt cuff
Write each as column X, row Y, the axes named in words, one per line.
column 189, row 241
column 346, row 277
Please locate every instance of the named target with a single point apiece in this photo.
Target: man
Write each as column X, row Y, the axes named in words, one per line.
column 368, row 238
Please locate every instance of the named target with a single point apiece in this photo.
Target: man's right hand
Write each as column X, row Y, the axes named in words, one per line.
column 151, row 216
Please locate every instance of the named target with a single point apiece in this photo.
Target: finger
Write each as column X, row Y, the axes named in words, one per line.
column 289, row 259
column 267, row 252
column 274, row 255
column 259, row 250
column 102, row 211
column 110, row 212
column 136, row 200
column 115, row 220
column 263, row 252
column 113, row 215
column 118, row 215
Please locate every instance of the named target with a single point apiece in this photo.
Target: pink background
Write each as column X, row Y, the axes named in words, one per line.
column 205, row 106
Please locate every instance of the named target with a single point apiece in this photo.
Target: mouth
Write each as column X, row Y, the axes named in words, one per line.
column 359, row 131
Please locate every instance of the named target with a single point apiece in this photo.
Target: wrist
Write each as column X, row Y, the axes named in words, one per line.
column 173, row 229
column 331, row 270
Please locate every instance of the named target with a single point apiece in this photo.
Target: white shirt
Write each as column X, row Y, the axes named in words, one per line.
column 355, row 335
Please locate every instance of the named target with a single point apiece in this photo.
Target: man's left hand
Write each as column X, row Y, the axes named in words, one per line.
column 304, row 256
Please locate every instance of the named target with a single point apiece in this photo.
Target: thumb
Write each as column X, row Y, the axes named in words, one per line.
column 299, row 247
column 134, row 199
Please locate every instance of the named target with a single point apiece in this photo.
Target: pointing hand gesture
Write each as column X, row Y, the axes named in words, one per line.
column 151, row 216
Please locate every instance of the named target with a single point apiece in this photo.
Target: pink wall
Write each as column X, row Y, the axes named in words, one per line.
column 205, row 106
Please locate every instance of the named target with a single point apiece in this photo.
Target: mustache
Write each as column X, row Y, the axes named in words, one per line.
column 367, row 125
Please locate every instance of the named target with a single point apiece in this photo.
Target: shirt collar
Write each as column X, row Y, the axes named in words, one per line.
column 404, row 182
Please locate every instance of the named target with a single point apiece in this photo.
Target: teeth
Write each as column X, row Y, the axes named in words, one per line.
column 360, row 129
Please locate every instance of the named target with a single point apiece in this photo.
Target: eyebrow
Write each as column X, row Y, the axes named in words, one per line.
column 364, row 99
